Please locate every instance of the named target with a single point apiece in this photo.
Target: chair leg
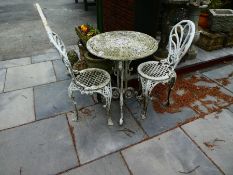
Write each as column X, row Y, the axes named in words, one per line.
column 76, row 1
column 108, row 97
column 147, row 86
column 107, row 94
column 70, row 94
column 171, row 84
column 144, row 97
column 108, row 108
column 145, row 104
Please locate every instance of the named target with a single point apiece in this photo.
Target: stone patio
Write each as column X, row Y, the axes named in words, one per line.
column 38, row 135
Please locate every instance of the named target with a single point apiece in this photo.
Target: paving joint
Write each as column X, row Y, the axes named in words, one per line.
column 47, row 118
column 71, row 129
column 34, row 103
column 123, row 158
column 33, row 86
column 54, row 71
column 4, row 83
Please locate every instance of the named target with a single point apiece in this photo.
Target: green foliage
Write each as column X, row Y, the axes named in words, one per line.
column 72, row 56
column 85, row 32
column 218, row 4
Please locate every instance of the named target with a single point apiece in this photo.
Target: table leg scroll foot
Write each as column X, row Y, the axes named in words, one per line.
column 110, row 122
column 143, row 116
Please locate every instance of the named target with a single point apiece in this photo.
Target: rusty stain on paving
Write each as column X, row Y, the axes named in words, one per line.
column 195, row 92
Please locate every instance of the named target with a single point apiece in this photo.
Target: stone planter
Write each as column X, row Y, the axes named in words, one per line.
column 96, row 62
column 221, row 20
column 210, row 40
column 229, row 39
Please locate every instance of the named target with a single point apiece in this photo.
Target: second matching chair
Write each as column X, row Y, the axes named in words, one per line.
column 152, row 73
column 87, row 81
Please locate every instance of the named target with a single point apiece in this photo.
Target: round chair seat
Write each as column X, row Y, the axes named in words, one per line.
column 93, row 78
column 154, row 70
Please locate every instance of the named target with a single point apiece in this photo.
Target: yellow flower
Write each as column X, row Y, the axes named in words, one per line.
column 84, row 28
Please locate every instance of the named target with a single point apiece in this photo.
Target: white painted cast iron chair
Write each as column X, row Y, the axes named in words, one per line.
column 87, row 81
column 152, row 73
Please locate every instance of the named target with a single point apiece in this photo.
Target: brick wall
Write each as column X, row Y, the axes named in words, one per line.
column 118, row 15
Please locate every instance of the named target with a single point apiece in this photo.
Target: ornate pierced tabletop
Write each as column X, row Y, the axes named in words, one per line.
column 122, row 47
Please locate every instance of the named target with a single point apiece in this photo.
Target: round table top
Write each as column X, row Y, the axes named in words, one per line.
column 122, row 45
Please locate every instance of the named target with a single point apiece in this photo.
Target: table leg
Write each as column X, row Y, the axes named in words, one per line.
column 121, row 69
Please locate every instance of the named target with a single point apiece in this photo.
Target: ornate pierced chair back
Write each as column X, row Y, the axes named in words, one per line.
column 180, row 39
column 59, row 45
column 57, row 42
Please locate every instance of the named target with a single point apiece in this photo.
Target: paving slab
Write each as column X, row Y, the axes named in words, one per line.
column 2, row 79
column 28, row 76
column 215, row 98
column 170, row 153
column 231, row 108
column 52, row 99
column 16, row 108
column 214, row 135
column 109, row 165
column 15, row 62
column 43, row 147
column 222, row 71
column 228, row 50
column 229, row 86
column 60, row 70
column 209, row 55
column 45, row 57
column 221, row 74
column 94, row 138
column 156, row 123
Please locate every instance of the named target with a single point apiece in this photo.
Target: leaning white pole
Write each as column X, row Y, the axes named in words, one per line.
column 44, row 21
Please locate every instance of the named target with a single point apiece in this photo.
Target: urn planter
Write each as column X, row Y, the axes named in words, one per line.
column 203, row 20
column 96, row 62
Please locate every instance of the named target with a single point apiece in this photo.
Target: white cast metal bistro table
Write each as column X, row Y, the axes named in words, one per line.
column 122, row 47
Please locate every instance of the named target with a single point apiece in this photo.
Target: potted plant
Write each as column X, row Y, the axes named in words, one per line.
column 203, row 20
column 96, row 62
column 85, row 32
column 203, row 17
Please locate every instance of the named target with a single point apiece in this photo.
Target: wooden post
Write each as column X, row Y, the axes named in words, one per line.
column 99, row 8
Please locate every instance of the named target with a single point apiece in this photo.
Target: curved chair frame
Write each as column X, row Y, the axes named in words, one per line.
column 87, row 81
column 152, row 73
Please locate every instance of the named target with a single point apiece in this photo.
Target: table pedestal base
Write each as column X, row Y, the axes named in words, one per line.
column 122, row 71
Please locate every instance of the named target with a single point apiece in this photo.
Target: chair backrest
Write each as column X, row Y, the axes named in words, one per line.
column 57, row 42
column 180, row 39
